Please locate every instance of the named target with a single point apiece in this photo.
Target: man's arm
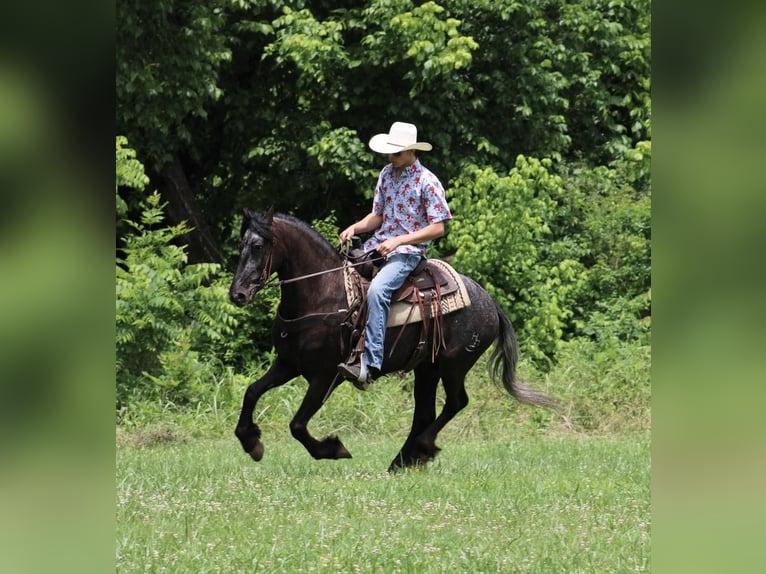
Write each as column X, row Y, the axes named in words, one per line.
column 428, row 233
column 370, row 222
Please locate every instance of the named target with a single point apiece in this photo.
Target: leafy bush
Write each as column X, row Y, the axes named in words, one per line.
column 564, row 248
column 605, row 222
column 176, row 330
column 170, row 316
column 502, row 235
column 129, row 172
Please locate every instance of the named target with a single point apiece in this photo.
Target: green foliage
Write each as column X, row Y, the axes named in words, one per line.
column 175, row 326
column 553, row 79
column 502, row 237
column 327, row 228
column 282, row 96
column 129, row 172
column 423, row 38
column 171, row 317
column 565, row 254
column 341, row 152
column 314, row 48
column 608, row 215
column 169, row 54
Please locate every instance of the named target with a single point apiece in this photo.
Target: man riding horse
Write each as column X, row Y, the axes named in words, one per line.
column 409, row 210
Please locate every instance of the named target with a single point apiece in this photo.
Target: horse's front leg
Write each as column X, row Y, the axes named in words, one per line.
column 320, row 386
column 247, row 431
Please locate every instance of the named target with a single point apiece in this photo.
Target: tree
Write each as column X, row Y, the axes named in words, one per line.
column 540, row 107
column 169, row 54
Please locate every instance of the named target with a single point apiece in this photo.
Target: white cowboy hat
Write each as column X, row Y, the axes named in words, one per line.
column 400, row 137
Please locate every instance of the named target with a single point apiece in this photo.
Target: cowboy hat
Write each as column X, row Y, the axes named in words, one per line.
column 400, row 137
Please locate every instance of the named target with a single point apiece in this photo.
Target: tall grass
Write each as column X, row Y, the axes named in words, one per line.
column 532, row 505
column 602, row 391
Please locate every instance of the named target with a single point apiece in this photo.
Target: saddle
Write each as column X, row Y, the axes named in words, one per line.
column 432, row 289
column 429, row 280
column 427, row 276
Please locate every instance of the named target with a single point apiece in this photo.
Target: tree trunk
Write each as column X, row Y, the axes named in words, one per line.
column 177, row 192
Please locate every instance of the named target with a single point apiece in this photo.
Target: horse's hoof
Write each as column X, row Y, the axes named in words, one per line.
column 257, row 452
column 332, row 448
column 400, row 465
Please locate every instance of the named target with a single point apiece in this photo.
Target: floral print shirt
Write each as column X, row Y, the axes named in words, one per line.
column 407, row 204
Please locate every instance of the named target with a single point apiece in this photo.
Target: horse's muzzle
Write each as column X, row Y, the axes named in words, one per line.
column 241, row 297
column 238, row 298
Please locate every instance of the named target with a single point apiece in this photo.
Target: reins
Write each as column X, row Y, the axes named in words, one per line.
column 278, row 283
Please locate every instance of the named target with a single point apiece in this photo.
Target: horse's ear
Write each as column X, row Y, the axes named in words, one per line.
column 269, row 216
column 247, row 213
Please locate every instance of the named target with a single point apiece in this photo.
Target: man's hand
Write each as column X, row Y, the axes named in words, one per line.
column 346, row 235
column 389, row 246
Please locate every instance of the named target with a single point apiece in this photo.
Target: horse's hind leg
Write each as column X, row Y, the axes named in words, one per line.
column 411, row 453
column 247, row 431
column 455, row 400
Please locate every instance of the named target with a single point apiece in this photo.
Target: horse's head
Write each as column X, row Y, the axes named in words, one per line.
column 255, row 257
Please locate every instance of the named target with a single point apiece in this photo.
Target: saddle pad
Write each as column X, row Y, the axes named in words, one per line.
column 400, row 312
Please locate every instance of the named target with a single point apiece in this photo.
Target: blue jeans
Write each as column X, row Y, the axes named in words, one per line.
column 390, row 277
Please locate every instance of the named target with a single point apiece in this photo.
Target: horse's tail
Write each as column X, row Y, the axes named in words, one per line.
column 502, row 364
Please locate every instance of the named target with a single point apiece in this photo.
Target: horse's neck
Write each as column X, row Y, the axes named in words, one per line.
column 302, row 256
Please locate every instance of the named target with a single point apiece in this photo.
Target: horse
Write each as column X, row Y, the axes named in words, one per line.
column 308, row 339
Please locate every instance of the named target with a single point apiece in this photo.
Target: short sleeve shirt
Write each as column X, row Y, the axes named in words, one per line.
column 407, row 204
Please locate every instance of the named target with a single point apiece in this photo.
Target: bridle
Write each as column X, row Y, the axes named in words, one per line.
column 266, row 271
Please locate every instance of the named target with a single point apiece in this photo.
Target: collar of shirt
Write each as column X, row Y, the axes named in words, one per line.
column 407, row 171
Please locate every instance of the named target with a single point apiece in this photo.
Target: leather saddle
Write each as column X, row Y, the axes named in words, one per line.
column 426, row 278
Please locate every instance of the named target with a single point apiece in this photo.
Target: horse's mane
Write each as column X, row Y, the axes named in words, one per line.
column 316, row 236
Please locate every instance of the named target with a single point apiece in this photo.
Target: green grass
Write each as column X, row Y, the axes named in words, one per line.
column 602, row 391
column 514, row 490
column 513, row 504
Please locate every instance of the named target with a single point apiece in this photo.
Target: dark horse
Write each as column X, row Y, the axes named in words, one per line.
column 307, row 337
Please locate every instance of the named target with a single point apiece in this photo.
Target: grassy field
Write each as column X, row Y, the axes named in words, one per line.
column 543, row 504
column 515, row 489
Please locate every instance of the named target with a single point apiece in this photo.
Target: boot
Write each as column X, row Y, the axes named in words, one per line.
column 358, row 374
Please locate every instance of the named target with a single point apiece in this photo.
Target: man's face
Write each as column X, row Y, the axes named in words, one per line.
column 402, row 159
